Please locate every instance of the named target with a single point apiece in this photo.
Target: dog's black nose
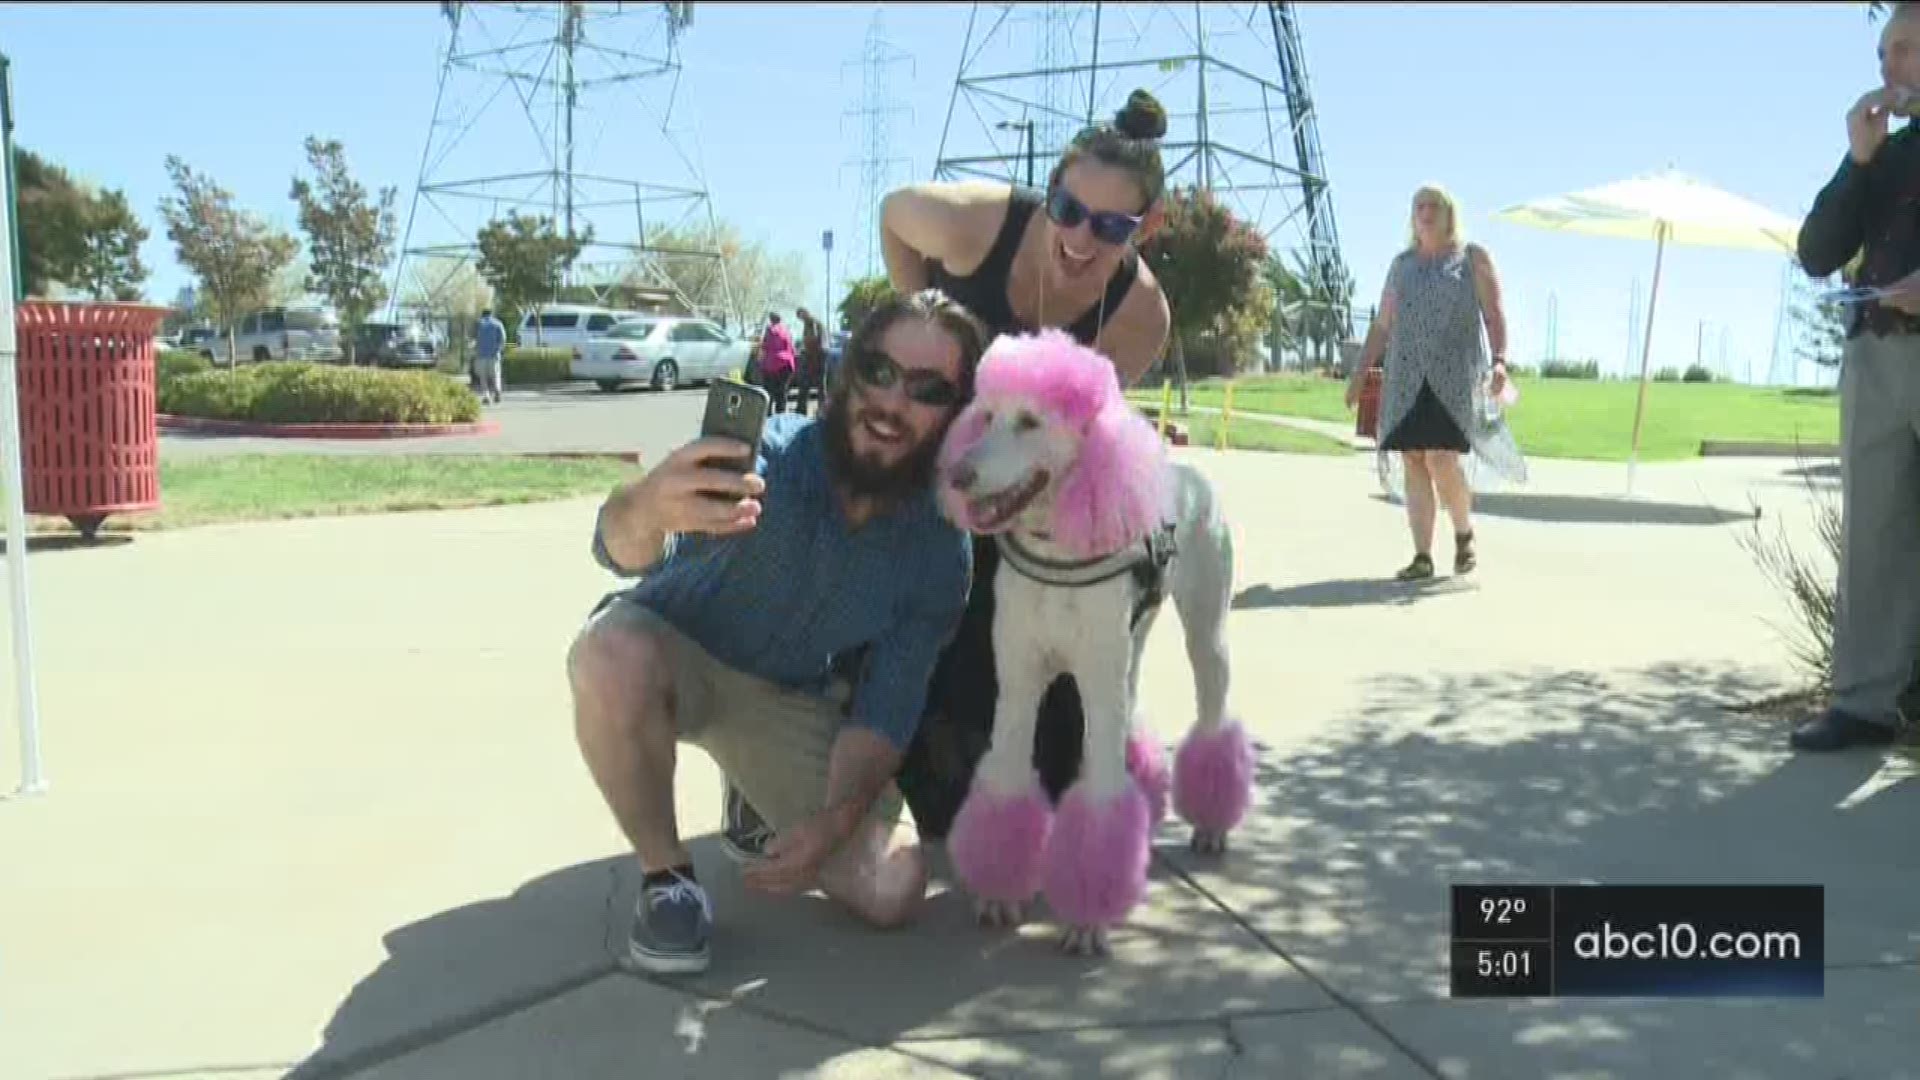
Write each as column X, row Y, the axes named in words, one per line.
column 962, row 476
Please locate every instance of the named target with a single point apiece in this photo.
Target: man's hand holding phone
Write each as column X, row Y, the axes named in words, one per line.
column 700, row 488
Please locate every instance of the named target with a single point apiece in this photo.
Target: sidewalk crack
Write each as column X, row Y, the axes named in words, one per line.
column 1353, row 1006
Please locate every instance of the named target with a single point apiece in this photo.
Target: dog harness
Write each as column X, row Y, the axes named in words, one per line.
column 1146, row 561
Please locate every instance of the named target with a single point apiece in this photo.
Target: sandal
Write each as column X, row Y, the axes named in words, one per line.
column 1463, row 557
column 1419, row 569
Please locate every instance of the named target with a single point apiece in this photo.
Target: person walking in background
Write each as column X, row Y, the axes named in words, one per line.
column 489, row 356
column 1440, row 291
column 1868, row 210
column 813, row 362
column 776, row 361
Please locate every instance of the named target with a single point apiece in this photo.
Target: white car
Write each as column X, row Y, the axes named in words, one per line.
column 663, row 352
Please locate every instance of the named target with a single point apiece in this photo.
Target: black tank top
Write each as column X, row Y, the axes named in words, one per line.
column 984, row 292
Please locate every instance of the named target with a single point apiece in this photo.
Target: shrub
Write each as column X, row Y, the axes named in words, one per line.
column 1667, row 374
column 532, row 367
column 1810, row 587
column 319, row 393
column 172, row 363
column 1570, row 369
column 1697, row 374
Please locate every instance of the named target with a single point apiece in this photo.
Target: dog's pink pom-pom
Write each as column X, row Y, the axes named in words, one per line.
column 1213, row 778
column 998, row 842
column 1097, row 869
column 1119, row 489
column 1147, row 764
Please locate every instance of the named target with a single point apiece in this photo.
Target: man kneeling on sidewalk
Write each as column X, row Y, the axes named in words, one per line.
column 751, row 585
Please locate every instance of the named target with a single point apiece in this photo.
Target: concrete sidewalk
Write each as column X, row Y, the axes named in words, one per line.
column 317, row 811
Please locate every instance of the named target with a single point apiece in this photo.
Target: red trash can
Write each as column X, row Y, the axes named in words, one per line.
column 1367, row 424
column 90, row 440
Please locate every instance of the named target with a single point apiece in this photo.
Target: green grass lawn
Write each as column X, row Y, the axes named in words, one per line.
column 259, row 487
column 1570, row 418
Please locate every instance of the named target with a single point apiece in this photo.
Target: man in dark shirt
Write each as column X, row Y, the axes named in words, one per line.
column 1870, row 210
column 813, row 362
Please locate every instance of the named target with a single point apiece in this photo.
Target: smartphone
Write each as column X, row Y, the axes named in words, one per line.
column 737, row 411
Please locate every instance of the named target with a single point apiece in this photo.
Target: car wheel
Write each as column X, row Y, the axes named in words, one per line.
column 261, row 355
column 609, row 385
column 666, row 375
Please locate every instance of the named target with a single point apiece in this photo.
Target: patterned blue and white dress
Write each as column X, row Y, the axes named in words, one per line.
column 1436, row 358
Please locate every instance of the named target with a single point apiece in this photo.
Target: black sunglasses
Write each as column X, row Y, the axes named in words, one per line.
column 1108, row 226
column 878, row 370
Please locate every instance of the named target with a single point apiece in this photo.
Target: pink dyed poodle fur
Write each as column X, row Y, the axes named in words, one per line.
column 1105, row 875
column 1147, row 764
column 1119, row 486
column 998, row 843
column 1213, row 778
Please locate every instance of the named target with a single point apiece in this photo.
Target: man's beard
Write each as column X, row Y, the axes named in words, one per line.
column 864, row 477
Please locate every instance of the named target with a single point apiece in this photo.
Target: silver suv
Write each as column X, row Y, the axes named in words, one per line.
column 284, row 333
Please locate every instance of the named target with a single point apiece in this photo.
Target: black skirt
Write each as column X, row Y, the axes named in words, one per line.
column 1427, row 426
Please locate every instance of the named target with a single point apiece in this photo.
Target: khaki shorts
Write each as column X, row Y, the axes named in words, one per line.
column 772, row 743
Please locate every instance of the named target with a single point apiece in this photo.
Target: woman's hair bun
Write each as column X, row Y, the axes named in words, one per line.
column 1142, row 117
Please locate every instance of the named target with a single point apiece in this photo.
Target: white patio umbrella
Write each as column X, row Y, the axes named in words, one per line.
column 1666, row 207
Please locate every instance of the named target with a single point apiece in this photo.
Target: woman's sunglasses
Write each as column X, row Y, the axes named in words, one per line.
column 1107, row 226
column 878, row 370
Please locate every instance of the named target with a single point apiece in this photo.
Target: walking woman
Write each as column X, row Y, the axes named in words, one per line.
column 1440, row 292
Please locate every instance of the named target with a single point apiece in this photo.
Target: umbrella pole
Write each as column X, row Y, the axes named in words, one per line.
column 1646, row 353
column 32, row 780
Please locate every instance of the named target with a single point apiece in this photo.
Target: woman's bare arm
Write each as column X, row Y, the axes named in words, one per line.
column 1486, row 283
column 939, row 220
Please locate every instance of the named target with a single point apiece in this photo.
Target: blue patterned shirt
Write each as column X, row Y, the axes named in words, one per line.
column 781, row 602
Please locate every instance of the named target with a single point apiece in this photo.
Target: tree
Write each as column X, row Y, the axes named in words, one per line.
column 110, row 264
column 759, row 280
column 523, row 258
column 448, row 291
column 863, row 295
column 73, row 236
column 1209, row 264
column 1316, row 309
column 234, row 254
column 349, row 236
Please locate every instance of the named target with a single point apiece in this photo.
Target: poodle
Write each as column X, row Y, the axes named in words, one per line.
column 1092, row 517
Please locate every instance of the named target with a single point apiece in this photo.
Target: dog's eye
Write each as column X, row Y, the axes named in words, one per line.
column 1026, row 422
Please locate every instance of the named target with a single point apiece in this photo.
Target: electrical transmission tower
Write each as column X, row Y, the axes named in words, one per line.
column 878, row 109
column 1233, row 79
column 557, row 110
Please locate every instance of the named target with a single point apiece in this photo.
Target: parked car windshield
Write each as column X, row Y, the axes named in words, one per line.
column 634, row 329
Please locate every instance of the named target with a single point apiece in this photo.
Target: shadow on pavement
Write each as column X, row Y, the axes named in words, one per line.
column 46, row 543
column 1596, row 510
column 520, row 983
column 1348, row 592
column 1567, row 777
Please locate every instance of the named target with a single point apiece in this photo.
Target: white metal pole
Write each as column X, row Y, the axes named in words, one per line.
column 32, row 779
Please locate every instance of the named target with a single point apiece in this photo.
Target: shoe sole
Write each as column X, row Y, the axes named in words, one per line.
column 739, row 854
column 667, row 963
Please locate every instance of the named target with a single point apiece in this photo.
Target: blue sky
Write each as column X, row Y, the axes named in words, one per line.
column 1502, row 103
